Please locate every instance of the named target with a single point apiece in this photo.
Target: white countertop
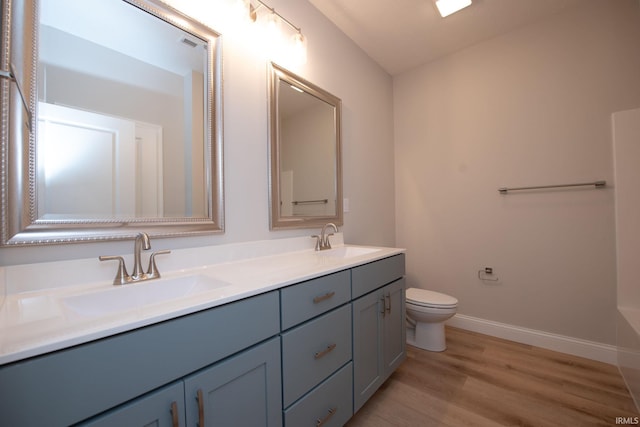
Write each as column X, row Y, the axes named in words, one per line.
column 37, row 318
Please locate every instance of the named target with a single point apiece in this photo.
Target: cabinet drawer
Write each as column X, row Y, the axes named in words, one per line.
column 327, row 405
column 369, row 277
column 314, row 350
column 309, row 299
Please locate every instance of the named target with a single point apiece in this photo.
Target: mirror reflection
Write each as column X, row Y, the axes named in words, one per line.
column 305, row 153
column 126, row 131
column 120, row 111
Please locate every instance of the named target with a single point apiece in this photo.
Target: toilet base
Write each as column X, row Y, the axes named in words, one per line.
column 428, row 336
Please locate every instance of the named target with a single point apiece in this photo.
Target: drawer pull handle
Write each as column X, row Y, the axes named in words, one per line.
column 326, row 418
column 175, row 422
column 321, row 298
column 200, row 400
column 324, row 352
column 388, row 298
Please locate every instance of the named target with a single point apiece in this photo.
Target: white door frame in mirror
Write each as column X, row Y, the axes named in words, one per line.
column 22, row 224
column 314, row 205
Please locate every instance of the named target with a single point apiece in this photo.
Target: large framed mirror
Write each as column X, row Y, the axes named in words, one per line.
column 305, row 152
column 111, row 122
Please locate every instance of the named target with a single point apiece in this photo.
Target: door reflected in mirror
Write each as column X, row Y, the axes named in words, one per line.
column 306, row 184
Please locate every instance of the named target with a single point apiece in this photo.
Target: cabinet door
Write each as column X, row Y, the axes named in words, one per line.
column 379, row 336
column 394, row 342
column 368, row 366
column 244, row 390
column 162, row 408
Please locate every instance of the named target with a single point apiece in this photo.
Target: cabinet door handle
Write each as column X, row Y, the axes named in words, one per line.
column 200, row 400
column 324, row 352
column 321, row 298
column 384, row 306
column 175, row 422
column 326, row 418
column 388, row 298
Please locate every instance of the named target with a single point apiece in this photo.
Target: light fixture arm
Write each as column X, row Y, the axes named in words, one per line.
column 254, row 9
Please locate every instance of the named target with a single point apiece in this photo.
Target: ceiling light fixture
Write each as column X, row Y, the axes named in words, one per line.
column 447, row 7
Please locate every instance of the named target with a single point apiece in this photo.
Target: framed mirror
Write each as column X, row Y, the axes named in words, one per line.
column 111, row 122
column 304, row 151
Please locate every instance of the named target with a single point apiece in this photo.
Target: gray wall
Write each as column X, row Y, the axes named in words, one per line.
column 531, row 107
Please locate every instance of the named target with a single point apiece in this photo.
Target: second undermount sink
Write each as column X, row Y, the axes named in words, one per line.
column 348, row 251
column 139, row 295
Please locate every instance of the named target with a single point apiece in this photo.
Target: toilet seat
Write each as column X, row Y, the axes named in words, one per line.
column 425, row 298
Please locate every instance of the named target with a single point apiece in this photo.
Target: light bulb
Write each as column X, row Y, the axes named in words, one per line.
column 271, row 35
column 299, row 49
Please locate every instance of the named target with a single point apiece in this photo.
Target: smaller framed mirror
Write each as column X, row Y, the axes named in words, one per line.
column 304, row 152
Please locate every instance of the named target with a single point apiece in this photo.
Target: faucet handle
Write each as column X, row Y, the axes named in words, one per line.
column 122, row 276
column 327, row 243
column 152, row 271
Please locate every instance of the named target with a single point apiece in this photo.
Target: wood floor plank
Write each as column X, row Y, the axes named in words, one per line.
column 486, row 381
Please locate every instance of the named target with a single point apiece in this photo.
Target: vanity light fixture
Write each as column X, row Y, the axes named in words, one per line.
column 272, row 23
column 447, row 7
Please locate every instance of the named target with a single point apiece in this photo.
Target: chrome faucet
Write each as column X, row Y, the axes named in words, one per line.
column 322, row 241
column 142, row 241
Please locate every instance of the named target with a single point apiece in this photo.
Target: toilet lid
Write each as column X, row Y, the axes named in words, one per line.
column 427, row 298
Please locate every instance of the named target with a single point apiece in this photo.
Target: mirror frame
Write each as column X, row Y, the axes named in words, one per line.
column 19, row 55
column 277, row 221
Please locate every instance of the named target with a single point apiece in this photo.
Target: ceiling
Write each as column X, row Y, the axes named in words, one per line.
column 402, row 34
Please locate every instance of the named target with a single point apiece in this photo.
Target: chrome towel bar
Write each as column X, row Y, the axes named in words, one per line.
column 596, row 184
column 309, row 202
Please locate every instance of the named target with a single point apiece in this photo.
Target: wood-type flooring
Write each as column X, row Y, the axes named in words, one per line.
column 486, row 381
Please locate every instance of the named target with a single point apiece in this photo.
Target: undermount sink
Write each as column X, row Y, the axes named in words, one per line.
column 139, row 295
column 348, row 251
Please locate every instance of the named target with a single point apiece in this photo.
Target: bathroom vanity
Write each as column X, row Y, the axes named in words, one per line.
column 306, row 340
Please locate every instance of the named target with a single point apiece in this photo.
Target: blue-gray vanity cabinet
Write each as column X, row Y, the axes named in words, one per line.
column 368, row 277
column 243, row 390
column 309, row 299
column 71, row 385
column 379, row 333
column 313, row 351
column 317, row 384
column 328, row 405
column 162, row 408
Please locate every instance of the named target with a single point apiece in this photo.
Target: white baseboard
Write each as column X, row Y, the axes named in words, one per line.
column 575, row 346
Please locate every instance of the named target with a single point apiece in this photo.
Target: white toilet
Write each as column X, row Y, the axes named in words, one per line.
column 426, row 314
